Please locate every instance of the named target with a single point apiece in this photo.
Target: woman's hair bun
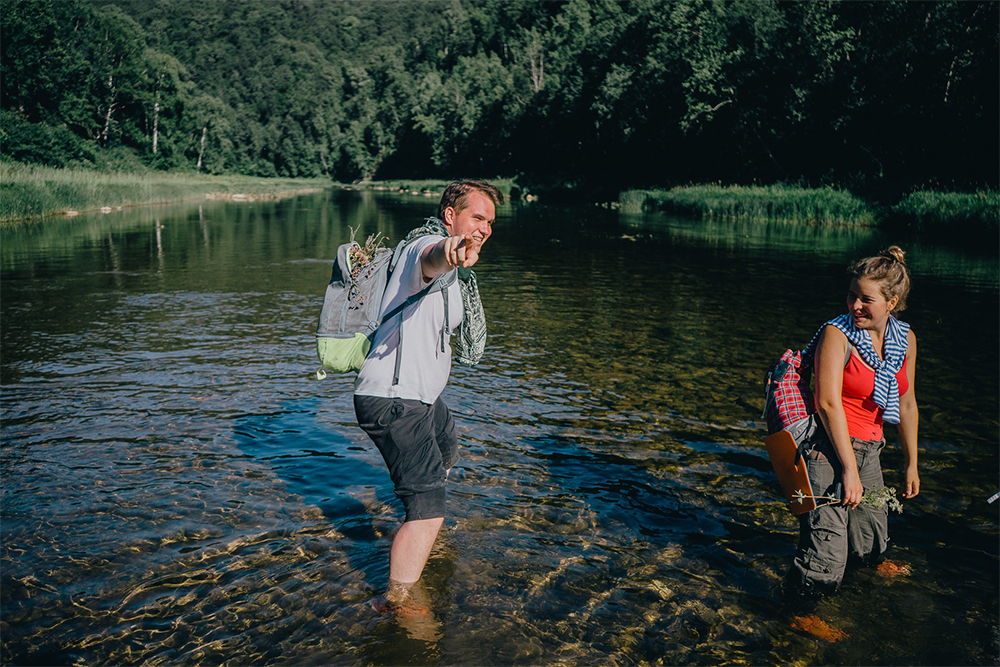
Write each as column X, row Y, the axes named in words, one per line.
column 894, row 252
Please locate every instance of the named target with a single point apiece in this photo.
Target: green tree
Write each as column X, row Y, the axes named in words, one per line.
column 166, row 90
column 109, row 59
column 208, row 130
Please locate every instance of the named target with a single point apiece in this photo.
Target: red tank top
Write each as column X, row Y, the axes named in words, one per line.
column 864, row 416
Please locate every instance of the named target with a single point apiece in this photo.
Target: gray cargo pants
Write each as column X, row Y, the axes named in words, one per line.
column 832, row 534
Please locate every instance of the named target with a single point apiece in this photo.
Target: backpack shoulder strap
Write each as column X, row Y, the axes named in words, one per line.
column 441, row 283
column 395, row 255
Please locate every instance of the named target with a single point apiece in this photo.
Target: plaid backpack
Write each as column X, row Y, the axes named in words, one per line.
column 787, row 395
column 788, row 398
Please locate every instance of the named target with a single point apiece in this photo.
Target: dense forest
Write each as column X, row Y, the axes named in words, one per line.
column 876, row 97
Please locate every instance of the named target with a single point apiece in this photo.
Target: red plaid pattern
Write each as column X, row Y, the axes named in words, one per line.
column 788, row 395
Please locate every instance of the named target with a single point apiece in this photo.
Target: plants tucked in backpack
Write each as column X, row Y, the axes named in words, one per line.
column 351, row 308
column 350, row 314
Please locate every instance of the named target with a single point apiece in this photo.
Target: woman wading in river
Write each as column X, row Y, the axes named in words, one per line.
column 864, row 364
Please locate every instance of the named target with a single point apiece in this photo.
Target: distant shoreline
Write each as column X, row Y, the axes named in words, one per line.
column 31, row 193
column 974, row 213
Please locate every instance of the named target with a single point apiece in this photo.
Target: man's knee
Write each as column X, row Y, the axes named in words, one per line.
column 428, row 504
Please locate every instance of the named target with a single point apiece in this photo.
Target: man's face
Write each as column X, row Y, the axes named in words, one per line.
column 475, row 219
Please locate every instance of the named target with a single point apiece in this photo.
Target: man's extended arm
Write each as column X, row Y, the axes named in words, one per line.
column 447, row 254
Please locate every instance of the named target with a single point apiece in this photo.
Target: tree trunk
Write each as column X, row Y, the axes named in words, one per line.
column 156, row 121
column 201, row 151
column 538, row 72
column 322, row 161
column 951, row 75
column 111, row 108
column 536, row 61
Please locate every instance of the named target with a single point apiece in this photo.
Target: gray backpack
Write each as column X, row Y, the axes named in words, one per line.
column 350, row 314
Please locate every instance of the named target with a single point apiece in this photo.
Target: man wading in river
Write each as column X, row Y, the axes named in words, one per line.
column 397, row 393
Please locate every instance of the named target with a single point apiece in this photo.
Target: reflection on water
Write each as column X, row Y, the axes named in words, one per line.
column 179, row 489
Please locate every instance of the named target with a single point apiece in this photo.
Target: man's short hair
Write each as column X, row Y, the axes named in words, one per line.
column 456, row 195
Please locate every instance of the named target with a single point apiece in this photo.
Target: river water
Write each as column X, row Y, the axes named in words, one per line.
column 178, row 488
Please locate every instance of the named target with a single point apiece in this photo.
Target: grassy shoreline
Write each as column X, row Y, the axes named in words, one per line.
column 922, row 210
column 29, row 193
column 926, row 211
column 774, row 203
column 951, row 212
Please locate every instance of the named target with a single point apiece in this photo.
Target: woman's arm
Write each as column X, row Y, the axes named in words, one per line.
column 908, row 421
column 830, row 353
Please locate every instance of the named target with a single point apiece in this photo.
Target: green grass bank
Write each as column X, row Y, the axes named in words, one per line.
column 774, row 203
column 926, row 211
column 951, row 212
column 29, row 192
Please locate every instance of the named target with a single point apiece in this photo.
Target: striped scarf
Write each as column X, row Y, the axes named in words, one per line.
column 886, row 392
column 471, row 340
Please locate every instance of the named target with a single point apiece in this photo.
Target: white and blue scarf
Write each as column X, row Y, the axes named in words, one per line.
column 886, row 393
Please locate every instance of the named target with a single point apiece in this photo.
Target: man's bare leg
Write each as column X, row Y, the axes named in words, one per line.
column 411, row 548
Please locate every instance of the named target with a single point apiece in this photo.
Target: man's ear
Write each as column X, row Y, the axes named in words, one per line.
column 449, row 217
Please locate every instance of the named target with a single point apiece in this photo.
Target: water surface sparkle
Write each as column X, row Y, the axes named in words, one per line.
column 178, row 488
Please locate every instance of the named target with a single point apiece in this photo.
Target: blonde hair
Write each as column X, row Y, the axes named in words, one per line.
column 887, row 270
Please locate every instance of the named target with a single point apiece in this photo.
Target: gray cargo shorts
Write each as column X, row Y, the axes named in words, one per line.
column 832, row 535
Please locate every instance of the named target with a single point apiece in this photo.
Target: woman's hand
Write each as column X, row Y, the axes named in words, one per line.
column 912, row 482
column 853, row 490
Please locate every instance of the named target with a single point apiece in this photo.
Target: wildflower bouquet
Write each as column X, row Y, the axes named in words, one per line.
column 360, row 256
column 886, row 496
column 877, row 499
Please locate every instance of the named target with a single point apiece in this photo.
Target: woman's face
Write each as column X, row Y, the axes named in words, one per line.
column 867, row 306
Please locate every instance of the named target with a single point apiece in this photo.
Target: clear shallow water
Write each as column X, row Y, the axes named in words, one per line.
column 179, row 489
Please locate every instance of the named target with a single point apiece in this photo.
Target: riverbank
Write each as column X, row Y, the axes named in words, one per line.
column 950, row 213
column 924, row 211
column 435, row 187
column 774, row 203
column 29, row 192
column 976, row 214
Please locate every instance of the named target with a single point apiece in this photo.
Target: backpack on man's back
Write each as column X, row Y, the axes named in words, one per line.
column 351, row 308
column 352, row 305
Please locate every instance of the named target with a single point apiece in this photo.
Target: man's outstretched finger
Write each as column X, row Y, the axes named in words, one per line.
column 471, row 255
